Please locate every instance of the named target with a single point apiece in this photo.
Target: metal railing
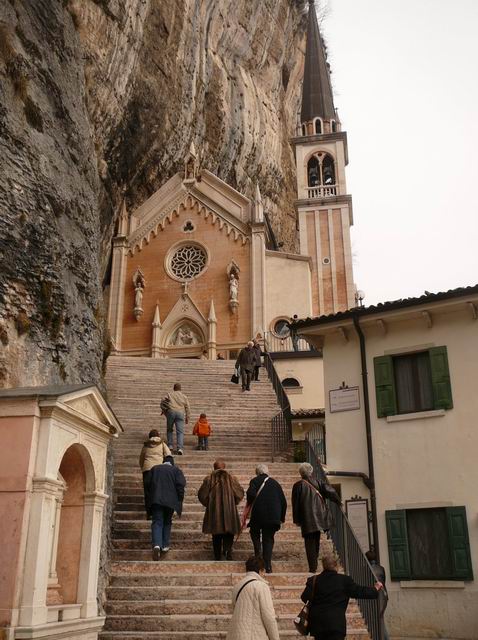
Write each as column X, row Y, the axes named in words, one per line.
column 316, row 439
column 276, row 344
column 282, row 422
column 352, row 557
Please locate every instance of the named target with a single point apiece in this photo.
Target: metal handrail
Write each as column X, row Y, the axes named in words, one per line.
column 282, row 422
column 352, row 557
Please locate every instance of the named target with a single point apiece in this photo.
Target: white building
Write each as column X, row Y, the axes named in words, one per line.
column 413, row 437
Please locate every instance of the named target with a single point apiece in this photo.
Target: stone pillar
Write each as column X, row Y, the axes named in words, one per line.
column 258, row 267
column 156, row 351
column 116, row 302
column 90, row 553
column 43, row 511
column 54, row 589
column 212, row 326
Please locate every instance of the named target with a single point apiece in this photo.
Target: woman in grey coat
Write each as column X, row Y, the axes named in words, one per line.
column 310, row 511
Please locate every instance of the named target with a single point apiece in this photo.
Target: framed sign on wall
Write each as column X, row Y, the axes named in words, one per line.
column 357, row 513
column 344, row 399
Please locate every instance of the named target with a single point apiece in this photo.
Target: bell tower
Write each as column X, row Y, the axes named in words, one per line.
column 324, row 208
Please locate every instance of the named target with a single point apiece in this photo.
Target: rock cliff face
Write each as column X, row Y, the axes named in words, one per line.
column 100, row 100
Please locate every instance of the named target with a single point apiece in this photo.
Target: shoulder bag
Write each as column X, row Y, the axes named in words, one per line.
column 246, row 514
column 302, row 621
column 244, row 585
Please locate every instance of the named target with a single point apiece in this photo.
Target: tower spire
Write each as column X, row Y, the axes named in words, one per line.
column 317, row 96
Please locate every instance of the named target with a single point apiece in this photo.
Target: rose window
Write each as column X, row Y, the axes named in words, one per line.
column 188, row 261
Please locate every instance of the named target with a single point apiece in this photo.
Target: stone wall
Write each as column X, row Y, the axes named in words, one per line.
column 100, row 100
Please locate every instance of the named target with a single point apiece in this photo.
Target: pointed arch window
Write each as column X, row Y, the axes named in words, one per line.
column 321, row 178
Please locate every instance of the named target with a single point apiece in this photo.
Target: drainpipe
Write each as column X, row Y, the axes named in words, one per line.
column 368, row 430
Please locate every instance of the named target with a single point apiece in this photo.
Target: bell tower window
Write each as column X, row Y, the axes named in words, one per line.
column 304, row 130
column 318, row 126
column 321, row 176
column 333, row 126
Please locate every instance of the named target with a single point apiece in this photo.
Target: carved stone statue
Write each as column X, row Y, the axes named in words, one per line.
column 139, row 284
column 233, row 287
column 184, row 337
column 138, row 296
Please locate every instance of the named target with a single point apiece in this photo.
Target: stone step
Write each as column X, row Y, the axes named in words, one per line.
column 187, row 595
column 200, row 606
column 201, row 635
column 194, row 535
column 202, row 542
column 204, row 567
column 204, row 553
column 189, row 592
column 203, row 580
column 191, row 623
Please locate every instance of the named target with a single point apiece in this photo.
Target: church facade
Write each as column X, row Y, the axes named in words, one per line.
column 196, row 271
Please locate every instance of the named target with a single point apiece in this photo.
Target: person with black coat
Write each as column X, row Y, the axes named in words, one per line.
column 328, row 594
column 258, row 364
column 166, row 484
column 268, row 511
column 310, row 510
column 246, row 362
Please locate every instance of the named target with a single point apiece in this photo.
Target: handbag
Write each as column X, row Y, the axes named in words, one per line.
column 235, row 377
column 301, row 622
column 246, row 514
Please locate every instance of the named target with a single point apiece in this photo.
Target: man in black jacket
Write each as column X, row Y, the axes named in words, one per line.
column 166, row 485
column 310, row 510
column 246, row 362
column 328, row 594
column 269, row 507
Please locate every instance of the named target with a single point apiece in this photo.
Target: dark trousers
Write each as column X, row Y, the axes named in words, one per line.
column 246, row 376
column 145, row 489
column 312, row 547
column 330, row 635
column 256, row 373
column 161, row 526
column 203, row 442
column 267, row 544
column 222, row 544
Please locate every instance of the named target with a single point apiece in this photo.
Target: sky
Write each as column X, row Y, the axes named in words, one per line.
column 405, row 78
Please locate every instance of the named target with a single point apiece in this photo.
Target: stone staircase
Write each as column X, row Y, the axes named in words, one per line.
column 188, row 595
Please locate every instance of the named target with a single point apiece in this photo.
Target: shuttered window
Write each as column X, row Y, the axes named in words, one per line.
column 429, row 544
column 412, row 382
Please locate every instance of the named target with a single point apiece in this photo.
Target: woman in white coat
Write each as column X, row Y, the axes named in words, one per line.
column 254, row 617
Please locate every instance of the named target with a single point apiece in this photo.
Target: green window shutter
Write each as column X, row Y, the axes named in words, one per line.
column 398, row 553
column 385, row 386
column 459, row 543
column 440, row 378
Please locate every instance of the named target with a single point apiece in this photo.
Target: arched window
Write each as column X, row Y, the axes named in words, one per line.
column 290, row 383
column 321, row 172
column 318, row 125
column 313, row 172
column 328, row 170
column 333, row 126
column 304, row 131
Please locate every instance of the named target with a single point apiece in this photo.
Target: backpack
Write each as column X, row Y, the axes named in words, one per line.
column 165, row 404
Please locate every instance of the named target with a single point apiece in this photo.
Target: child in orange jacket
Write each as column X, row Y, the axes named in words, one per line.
column 202, row 429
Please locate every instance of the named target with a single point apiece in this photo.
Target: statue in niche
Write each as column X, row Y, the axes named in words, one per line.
column 184, row 337
column 139, row 284
column 233, row 287
column 233, row 281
